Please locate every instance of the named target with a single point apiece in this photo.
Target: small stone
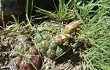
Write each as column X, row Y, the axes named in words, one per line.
column 26, row 66
column 36, row 60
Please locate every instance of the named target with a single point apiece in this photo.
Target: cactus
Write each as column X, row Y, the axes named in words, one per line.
column 52, row 39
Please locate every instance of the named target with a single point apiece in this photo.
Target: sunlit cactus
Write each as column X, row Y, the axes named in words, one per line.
column 51, row 38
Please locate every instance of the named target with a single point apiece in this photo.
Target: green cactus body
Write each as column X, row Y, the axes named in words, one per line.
column 45, row 39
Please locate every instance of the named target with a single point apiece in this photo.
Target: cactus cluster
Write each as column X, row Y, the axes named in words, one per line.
column 54, row 39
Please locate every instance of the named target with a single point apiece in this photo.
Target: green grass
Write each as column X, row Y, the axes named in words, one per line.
column 96, row 31
column 62, row 13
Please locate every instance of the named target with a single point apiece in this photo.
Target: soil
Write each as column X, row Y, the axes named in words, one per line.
column 8, row 58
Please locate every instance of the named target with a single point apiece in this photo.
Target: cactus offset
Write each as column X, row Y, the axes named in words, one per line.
column 72, row 26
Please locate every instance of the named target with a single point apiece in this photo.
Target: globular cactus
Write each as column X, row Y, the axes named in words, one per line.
column 52, row 39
